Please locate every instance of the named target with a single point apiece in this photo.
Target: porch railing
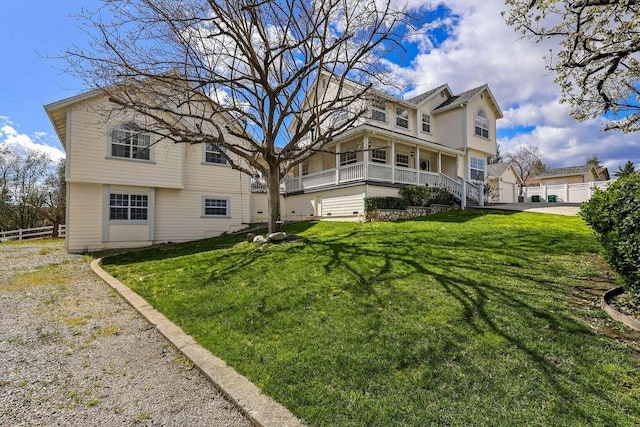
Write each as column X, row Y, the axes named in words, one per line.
column 378, row 172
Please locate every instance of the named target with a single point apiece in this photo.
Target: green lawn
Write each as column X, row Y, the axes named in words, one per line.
column 465, row 318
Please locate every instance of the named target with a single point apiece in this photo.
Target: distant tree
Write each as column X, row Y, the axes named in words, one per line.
column 527, row 161
column 497, row 158
column 593, row 160
column 189, row 65
column 628, row 169
column 21, row 177
column 49, row 200
column 597, row 66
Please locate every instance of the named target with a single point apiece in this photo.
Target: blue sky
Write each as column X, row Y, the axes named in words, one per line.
column 465, row 46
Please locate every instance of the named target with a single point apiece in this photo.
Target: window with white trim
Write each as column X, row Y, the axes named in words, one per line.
column 129, row 142
column 215, row 207
column 402, row 160
column 379, row 155
column 477, row 169
column 379, row 110
column 213, row 154
column 425, row 165
column 340, row 116
column 128, row 207
column 347, row 158
column 402, row 117
column 426, row 123
column 305, row 168
column 481, row 122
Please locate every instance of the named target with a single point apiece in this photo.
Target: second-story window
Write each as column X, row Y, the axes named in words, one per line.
column 426, row 123
column 338, row 117
column 348, row 158
column 379, row 110
column 481, row 121
column 130, row 142
column 379, row 156
column 402, row 160
column 213, row 154
column 305, row 168
column 402, row 117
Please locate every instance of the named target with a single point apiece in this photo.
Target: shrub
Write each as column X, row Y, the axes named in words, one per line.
column 416, row 195
column 371, row 203
column 614, row 215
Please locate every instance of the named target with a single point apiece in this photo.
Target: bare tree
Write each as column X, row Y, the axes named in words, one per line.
column 21, row 177
column 49, row 199
column 598, row 65
column 527, row 161
column 217, row 72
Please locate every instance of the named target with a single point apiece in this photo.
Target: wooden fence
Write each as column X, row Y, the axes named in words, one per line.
column 31, row 233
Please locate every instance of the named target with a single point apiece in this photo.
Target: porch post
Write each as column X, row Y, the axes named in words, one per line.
column 300, row 176
column 393, row 161
column 463, row 197
column 416, row 163
column 481, row 193
column 365, row 156
column 440, row 162
column 337, row 163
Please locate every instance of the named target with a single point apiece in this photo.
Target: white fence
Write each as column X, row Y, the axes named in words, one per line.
column 31, row 233
column 564, row 193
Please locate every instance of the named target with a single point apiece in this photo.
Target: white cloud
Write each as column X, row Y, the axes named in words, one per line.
column 21, row 143
column 480, row 49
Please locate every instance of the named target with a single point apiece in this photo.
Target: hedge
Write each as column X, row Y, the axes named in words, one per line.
column 372, row 203
column 614, row 215
column 416, row 195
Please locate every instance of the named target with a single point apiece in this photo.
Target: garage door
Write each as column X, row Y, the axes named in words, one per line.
column 508, row 193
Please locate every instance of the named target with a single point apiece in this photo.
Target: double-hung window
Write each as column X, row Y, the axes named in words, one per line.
column 128, row 207
column 379, row 110
column 426, row 123
column 347, row 158
column 481, row 122
column 477, row 169
column 379, row 155
column 402, row 160
column 213, row 154
column 402, row 117
column 305, row 168
column 130, row 143
column 215, row 207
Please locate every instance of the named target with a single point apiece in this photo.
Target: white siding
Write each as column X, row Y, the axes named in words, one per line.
column 259, row 207
column 448, row 128
column 88, row 151
column 378, row 191
column 478, row 143
column 343, row 202
column 84, row 217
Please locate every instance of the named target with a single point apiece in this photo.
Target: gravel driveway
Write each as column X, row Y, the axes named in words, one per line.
column 73, row 353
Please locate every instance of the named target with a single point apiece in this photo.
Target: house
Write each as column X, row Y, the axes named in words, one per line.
column 126, row 188
column 505, row 183
column 129, row 188
column 568, row 175
column 437, row 138
column 603, row 174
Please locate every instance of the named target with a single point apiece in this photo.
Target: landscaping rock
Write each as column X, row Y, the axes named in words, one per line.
column 277, row 237
column 250, row 237
column 260, row 239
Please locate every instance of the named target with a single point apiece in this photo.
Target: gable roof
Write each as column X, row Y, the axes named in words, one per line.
column 498, row 169
column 428, row 94
column 568, row 171
column 463, row 99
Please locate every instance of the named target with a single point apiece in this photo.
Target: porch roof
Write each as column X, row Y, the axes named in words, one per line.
column 397, row 137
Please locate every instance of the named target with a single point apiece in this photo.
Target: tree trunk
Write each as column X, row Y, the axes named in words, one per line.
column 273, row 197
column 55, row 230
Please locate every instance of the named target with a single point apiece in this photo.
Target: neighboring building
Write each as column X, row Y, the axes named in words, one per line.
column 505, row 183
column 436, row 138
column 603, row 174
column 568, row 175
column 126, row 188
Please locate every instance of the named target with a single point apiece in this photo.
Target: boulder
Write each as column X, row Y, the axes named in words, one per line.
column 260, row 239
column 250, row 237
column 277, row 237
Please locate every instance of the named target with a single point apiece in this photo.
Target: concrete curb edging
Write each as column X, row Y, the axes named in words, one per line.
column 261, row 409
column 615, row 314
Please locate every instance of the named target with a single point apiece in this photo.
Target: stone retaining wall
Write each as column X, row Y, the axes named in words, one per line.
column 377, row 215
